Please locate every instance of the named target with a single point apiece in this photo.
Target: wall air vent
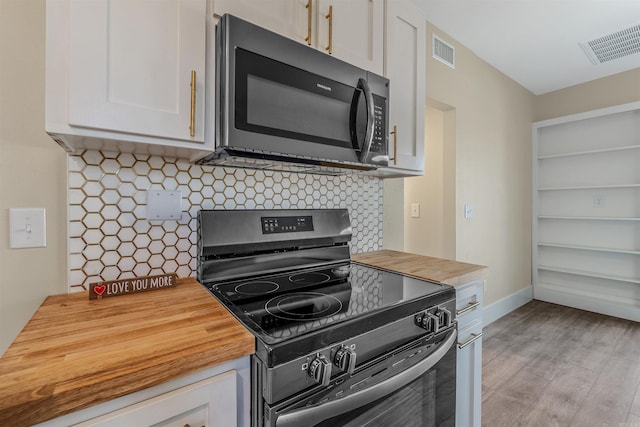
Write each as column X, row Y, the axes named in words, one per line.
column 613, row 46
column 444, row 52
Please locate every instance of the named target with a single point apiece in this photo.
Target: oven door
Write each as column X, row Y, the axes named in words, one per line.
column 412, row 386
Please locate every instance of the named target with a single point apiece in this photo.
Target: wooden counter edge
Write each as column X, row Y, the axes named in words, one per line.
column 467, row 273
column 46, row 404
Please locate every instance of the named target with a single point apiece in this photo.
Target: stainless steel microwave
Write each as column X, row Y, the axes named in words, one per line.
column 283, row 105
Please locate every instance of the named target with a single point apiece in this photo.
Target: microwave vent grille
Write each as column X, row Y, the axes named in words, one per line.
column 444, row 52
column 613, row 46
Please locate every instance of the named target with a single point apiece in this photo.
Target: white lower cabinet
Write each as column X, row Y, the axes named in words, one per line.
column 211, row 402
column 469, row 365
column 216, row 397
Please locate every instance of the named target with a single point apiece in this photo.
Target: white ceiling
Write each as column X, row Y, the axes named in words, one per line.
column 536, row 42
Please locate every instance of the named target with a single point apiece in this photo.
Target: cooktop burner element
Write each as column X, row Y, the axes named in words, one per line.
column 302, row 306
column 309, row 278
column 257, row 287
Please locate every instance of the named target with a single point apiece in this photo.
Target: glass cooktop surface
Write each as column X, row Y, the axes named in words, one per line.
column 286, row 305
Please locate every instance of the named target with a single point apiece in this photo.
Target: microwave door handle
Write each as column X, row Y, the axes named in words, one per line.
column 368, row 136
column 316, row 414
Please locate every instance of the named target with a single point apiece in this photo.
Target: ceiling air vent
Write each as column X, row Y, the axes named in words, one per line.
column 444, row 52
column 613, row 46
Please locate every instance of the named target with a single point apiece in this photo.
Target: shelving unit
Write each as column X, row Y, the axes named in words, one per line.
column 586, row 211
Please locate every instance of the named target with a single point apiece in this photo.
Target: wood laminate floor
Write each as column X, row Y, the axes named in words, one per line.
column 550, row 365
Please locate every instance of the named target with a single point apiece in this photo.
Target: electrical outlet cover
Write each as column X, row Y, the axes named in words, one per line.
column 164, row 205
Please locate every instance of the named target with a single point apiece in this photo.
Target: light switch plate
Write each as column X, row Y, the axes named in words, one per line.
column 27, row 228
column 415, row 210
column 164, row 205
column 468, row 211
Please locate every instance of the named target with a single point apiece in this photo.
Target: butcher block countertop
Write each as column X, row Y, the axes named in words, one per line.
column 75, row 352
column 422, row 267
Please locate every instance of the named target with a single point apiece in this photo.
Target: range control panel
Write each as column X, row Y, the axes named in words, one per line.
column 434, row 320
column 286, row 224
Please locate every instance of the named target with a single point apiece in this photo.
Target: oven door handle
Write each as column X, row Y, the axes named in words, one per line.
column 316, row 414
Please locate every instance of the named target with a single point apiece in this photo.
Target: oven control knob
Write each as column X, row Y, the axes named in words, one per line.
column 444, row 317
column 428, row 322
column 434, row 323
column 320, row 370
column 345, row 359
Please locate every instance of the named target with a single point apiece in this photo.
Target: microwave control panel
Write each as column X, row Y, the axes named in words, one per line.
column 379, row 142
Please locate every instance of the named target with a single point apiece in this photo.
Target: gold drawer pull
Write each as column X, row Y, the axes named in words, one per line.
column 471, row 306
column 470, row 340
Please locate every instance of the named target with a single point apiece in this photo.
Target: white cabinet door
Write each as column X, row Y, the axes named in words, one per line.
column 469, row 376
column 357, row 26
column 210, row 403
column 357, row 31
column 132, row 64
column 405, row 67
column 469, row 364
column 286, row 17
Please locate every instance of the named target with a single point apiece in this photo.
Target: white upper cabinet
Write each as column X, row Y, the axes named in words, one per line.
column 353, row 30
column 405, row 65
column 286, row 17
column 131, row 65
column 124, row 72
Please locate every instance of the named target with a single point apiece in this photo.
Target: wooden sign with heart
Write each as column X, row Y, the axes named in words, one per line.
column 112, row 288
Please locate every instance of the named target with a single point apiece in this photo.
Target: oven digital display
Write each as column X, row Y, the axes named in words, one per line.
column 286, row 224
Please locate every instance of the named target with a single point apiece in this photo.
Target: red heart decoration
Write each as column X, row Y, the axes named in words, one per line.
column 99, row 289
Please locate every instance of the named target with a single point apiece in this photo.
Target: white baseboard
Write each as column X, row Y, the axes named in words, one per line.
column 598, row 303
column 494, row 311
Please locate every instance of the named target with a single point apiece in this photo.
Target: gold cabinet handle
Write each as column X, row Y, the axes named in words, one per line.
column 471, row 306
column 470, row 340
column 329, row 16
column 395, row 145
column 309, row 8
column 192, row 120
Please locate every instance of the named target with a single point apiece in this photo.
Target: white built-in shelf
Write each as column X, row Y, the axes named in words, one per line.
column 590, row 187
column 582, row 153
column 589, row 274
column 588, row 218
column 578, row 163
column 589, row 248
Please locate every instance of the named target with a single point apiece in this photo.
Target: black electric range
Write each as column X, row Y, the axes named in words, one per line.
column 319, row 319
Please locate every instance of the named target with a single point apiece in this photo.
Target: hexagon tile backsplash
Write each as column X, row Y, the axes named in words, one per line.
column 110, row 237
